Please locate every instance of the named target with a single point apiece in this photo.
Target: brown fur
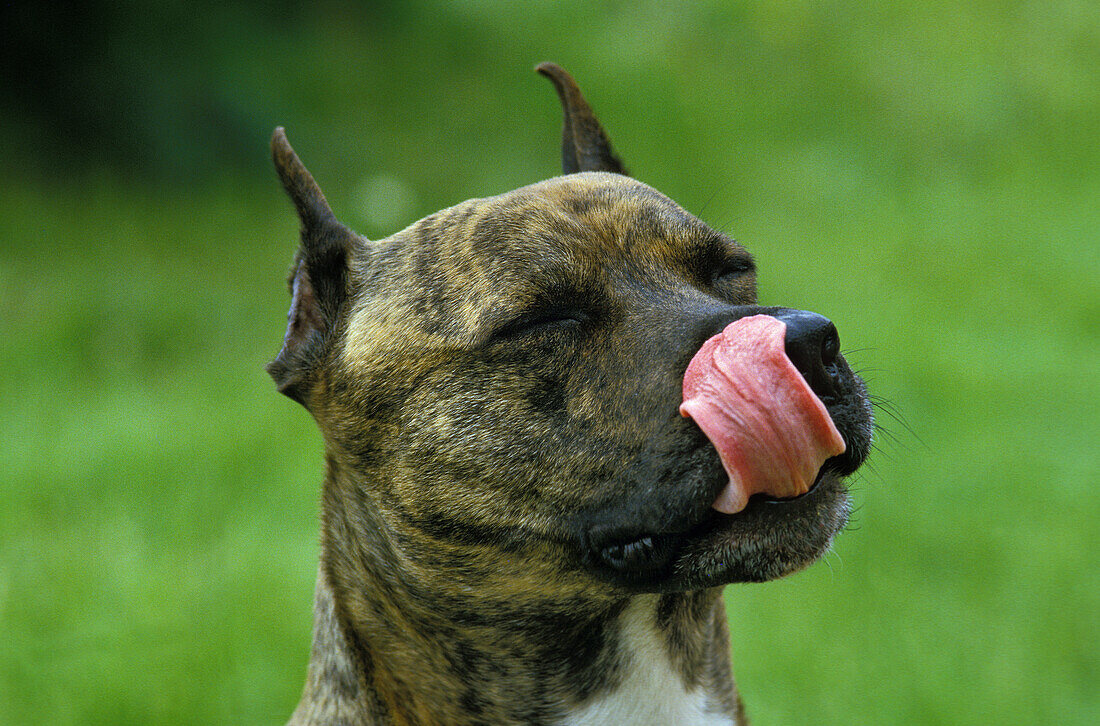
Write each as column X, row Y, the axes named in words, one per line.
column 507, row 473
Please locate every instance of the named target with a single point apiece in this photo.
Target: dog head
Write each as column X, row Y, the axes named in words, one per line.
column 498, row 386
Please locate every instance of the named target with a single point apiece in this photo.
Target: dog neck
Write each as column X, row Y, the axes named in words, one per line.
column 387, row 653
column 674, row 651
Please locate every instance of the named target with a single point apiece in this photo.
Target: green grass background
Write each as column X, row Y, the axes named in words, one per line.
column 926, row 174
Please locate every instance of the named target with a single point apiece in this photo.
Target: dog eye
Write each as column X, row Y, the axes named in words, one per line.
column 731, row 271
column 541, row 321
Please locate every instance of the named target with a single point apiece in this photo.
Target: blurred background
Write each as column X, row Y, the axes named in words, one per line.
column 926, row 174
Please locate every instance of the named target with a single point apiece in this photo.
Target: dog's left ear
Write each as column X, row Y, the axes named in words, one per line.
column 318, row 277
column 584, row 143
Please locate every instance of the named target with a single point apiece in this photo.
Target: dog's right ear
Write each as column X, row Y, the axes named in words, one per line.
column 584, row 143
column 318, row 277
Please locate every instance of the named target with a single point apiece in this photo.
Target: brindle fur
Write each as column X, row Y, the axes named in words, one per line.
column 497, row 387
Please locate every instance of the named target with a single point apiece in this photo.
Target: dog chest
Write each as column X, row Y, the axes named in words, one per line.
column 651, row 693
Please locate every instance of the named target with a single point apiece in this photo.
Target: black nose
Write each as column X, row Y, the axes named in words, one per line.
column 813, row 346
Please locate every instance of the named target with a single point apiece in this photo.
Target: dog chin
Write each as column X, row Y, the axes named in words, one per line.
column 766, row 540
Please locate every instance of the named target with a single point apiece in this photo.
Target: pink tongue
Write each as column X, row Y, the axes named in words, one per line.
column 772, row 433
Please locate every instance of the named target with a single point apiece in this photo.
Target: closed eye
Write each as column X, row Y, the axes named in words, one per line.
column 732, row 269
column 716, row 259
column 538, row 321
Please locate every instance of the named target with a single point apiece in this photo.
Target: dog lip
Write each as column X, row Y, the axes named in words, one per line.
column 713, row 521
column 633, row 557
column 628, row 550
column 789, row 500
column 768, row 499
column 647, row 560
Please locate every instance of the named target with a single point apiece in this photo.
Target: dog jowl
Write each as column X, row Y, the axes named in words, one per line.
column 556, row 423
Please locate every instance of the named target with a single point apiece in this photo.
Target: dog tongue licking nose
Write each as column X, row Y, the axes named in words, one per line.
column 771, row 431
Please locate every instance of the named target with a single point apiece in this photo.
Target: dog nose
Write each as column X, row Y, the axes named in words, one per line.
column 813, row 345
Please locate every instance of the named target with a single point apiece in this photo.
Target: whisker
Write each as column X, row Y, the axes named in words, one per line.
column 870, row 469
column 889, row 408
column 889, row 436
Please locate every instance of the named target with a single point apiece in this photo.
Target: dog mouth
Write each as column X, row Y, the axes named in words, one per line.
column 771, row 431
column 662, row 561
column 756, row 477
column 655, row 551
column 782, row 499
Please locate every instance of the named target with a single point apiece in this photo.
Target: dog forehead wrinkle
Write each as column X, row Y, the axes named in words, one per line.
column 603, row 207
column 540, row 239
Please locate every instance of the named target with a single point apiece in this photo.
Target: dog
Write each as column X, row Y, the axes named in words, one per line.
column 523, row 520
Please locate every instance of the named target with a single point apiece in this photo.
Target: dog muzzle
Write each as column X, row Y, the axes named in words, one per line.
column 771, row 430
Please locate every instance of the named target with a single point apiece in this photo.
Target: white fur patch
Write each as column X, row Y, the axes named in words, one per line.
column 652, row 693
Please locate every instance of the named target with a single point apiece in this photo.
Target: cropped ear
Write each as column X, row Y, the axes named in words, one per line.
column 318, row 277
column 584, row 143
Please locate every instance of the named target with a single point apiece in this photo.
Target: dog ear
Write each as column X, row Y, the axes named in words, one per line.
column 318, row 277
column 584, row 143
